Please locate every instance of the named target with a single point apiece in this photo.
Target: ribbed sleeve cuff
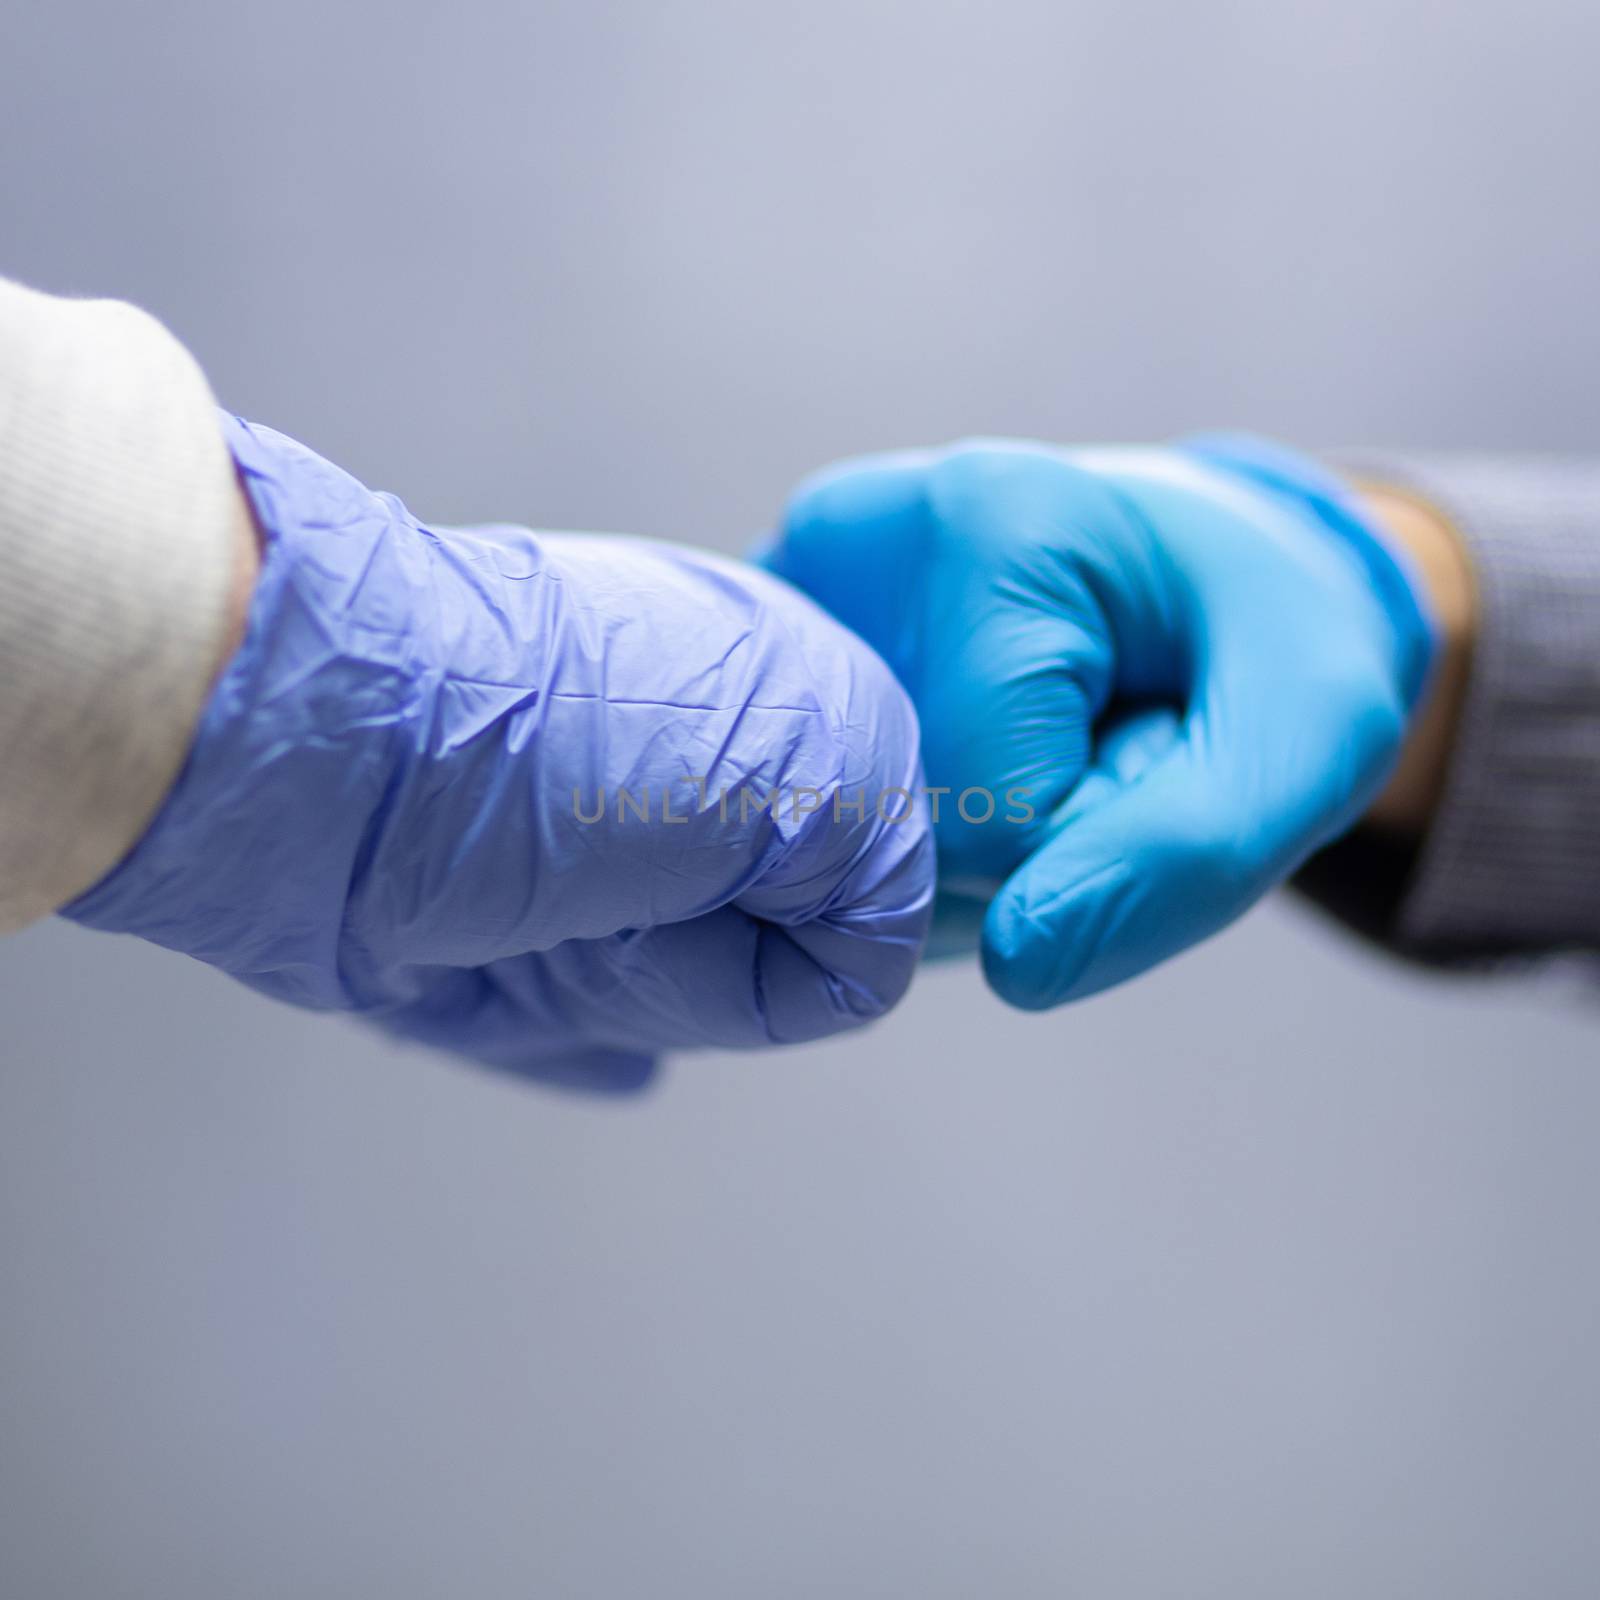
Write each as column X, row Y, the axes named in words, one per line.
column 117, row 515
column 1511, row 862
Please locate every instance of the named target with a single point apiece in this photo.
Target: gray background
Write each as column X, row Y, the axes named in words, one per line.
column 1271, row 1275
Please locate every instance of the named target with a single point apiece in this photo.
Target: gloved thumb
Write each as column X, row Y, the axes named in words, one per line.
column 1174, row 835
column 1128, row 742
column 1136, row 876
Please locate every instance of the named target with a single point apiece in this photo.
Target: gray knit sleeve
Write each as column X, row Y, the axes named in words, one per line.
column 1511, row 862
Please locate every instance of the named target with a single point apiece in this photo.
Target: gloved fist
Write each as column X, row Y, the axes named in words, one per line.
column 553, row 801
column 1198, row 663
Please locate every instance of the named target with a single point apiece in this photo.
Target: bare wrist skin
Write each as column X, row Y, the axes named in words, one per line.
column 246, row 542
column 1439, row 555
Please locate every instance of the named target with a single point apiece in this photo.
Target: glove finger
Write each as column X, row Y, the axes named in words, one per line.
column 726, row 979
column 475, row 1014
column 592, row 1012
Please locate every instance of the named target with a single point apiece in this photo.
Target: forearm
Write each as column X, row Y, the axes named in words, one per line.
column 126, row 558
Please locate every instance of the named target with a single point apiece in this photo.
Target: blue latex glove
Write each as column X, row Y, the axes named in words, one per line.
column 385, row 806
column 1043, row 606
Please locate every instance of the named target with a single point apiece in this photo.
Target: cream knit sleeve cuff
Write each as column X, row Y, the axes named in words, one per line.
column 117, row 516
